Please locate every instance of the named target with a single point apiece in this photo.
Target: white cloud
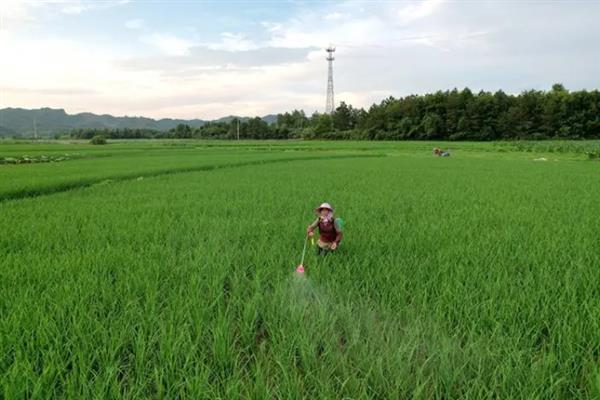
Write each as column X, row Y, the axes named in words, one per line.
column 168, row 44
column 418, row 10
column 271, row 26
column 382, row 25
column 390, row 48
column 80, row 6
column 74, row 8
column 334, row 16
column 15, row 13
column 134, row 24
column 201, row 59
column 173, row 45
column 233, row 42
column 77, row 78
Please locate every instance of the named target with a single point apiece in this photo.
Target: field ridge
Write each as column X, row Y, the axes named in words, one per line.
column 83, row 183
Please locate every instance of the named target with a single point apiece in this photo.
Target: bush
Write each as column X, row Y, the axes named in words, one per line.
column 593, row 154
column 98, row 139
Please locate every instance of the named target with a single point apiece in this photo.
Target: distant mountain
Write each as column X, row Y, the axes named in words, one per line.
column 270, row 118
column 49, row 121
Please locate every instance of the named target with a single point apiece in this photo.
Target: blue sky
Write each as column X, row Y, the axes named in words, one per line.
column 191, row 59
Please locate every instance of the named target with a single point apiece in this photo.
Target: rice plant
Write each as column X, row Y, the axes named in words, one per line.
column 467, row 277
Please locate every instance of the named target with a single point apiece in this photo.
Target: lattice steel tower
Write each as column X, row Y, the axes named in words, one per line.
column 330, row 105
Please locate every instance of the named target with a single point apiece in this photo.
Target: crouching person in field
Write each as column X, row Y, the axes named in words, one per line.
column 330, row 229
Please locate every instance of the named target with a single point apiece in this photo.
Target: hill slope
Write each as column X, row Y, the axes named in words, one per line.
column 48, row 121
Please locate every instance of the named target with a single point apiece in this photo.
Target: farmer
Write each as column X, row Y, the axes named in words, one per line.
column 440, row 153
column 330, row 229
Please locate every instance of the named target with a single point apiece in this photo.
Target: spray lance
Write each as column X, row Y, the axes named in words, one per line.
column 300, row 267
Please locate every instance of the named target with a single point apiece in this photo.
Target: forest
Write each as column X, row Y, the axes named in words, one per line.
column 443, row 115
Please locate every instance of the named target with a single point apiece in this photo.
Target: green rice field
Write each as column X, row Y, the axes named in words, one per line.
column 165, row 269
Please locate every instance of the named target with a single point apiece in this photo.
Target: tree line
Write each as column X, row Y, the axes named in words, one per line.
column 443, row 115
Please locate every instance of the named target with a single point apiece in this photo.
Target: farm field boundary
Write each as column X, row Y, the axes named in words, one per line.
column 66, row 186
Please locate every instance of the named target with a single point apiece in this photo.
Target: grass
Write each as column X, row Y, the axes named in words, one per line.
column 473, row 276
column 130, row 160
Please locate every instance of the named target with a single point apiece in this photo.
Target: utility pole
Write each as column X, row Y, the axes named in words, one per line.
column 34, row 128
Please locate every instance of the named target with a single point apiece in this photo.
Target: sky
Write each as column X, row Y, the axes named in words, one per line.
column 205, row 59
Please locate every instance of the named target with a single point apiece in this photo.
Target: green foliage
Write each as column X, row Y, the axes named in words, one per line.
column 98, row 139
column 322, row 125
column 49, row 121
column 593, row 154
column 473, row 279
column 123, row 133
column 182, row 131
column 449, row 115
column 292, row 121
column 344, row 117
column 125, row 161
column 38, row 158
column 589, row 147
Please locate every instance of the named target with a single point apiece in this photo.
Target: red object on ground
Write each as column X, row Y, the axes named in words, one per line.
column 300, row 269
